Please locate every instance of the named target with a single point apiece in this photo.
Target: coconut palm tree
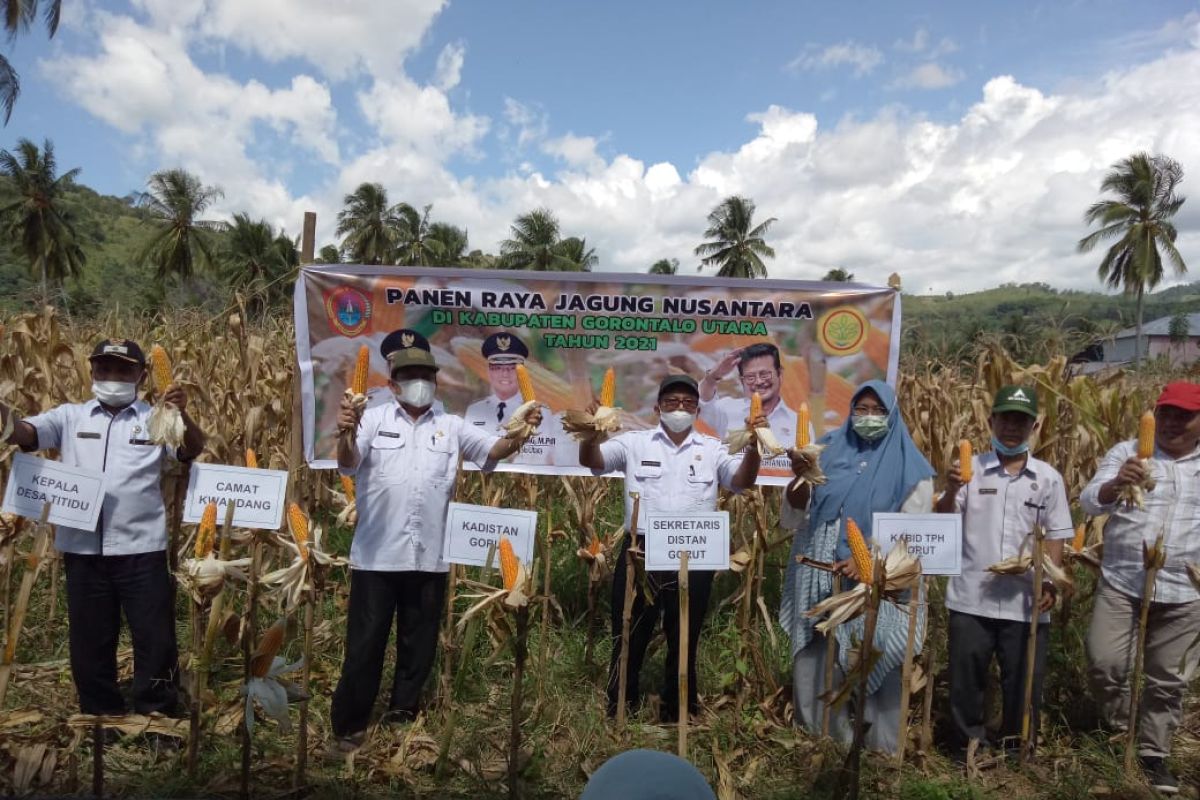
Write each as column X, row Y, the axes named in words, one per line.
column 534, row 244
column 257, row 261
column 329, row 254
column 19, row 15
column 370, row 227
column 36, row 222
column 736, row 246
column 838, row 275
column 448, row 243
column 1140, row 219
column 413, row 245
column 181, row 241
column 664, row 266
column 575, row 250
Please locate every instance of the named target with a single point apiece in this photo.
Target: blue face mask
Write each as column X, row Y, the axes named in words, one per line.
column 1005, row 450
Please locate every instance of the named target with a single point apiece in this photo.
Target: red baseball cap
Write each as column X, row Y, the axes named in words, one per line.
column 1181, row 394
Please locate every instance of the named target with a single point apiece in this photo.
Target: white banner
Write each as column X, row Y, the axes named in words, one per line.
column 472, row 530
column 258, row 495
column 703, row 535
column 74, row 493
column 936, row 539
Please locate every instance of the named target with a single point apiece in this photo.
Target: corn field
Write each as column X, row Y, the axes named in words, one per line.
column 240, row 385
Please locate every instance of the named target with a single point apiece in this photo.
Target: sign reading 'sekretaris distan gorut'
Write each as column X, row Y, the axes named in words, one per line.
column 257, row 494
column 74, row 493
column 704, row 536
column 472, row 530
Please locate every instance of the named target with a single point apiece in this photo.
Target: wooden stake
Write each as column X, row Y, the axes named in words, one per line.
column 41, row 543
column 1028, row 734
column 520, row 651
column 1153, row 565
column 10, row 550
column 448, row 634
column 249, row 639
column 545, row 657
column 54, row 559
column 627, row 611
column 926, row 744
column 849, row 779
column 305, row 674
column 830, row 662
column 683, row 655
column 906, row 678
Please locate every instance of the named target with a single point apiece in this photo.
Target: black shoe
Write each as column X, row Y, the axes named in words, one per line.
column 1159, row 775
column 398, row 716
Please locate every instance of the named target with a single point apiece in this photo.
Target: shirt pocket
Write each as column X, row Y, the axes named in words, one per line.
column 698, row 488
column 442, row 456
column 388, row 453
column 649, row 480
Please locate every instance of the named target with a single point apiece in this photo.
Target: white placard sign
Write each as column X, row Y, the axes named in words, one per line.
column 472, row 530
column 703, row 534
column 936, row 539
column 257, row 495
column 74, row 493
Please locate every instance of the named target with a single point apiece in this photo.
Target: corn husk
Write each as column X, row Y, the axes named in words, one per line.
column 265, row 686
column 203, row 578
column 902, row 572
column 518, row 425
column 760, row 436
column 306, row 572
column 165, row 425
column 583, row 426
column 1020, row 564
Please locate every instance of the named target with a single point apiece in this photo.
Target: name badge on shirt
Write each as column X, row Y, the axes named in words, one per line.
column 87, row 435
column 651, row 463
column 479, row 423
column 140, row 441
column 390, row 434
column 987, row 491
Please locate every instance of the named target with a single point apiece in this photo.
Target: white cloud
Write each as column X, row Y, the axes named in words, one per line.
column 448, row 71
column 930, row 75
column 576, row 151
column 920, row 43
column 527, row 122
column 862, row 58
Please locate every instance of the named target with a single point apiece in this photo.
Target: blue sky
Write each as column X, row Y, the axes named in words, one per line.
column 957, row 143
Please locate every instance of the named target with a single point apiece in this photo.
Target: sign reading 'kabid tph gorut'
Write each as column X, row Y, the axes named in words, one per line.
column 74, row 493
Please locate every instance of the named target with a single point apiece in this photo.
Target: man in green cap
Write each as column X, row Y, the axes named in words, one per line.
column 1009, row 492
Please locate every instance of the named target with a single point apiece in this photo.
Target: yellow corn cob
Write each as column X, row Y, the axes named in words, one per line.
column 160, row 368
column 594, row 545
column 755, row 407
column 803, row 421
column 298, row 523
column 1080, row 535
column 965, row 467
column 207, row 533
column 860, row 551
column 251, row 458
column 1146, row 435
column 268, row 647
column 348, row 487
column 608, row 389
column 509, row 565
column 362, row 366
column 525, row 383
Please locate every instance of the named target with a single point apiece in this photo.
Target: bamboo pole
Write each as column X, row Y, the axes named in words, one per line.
column 849, row 779
column 906, row 679
column 627, row 610
column 41, row 543
column 447, row 678
column 520, row 651
column 1154, row 561
column 249, row 638
column 545, row 643
column 683, row 655
column 830, row 662
column 1028, row 734
column 305, row 675
column 53, row 556
column 926, row 744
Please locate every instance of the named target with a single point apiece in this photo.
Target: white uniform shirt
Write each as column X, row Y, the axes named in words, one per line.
column 403, row 484
column 550, row 445
column 999, row 512
column 669, row 477
column 132, row 518
column 725, row 413
column 1173, row 509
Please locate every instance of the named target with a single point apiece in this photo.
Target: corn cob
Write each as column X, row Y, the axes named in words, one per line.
column 251, row 458
column 509, row 566
column 860, row 552
column 362, row 366
column 594, row 545
column 268, row 647
column 755, row 407
column 207, row 533
column 348, row 487
column 1080, row 536
column 160, row 368
column 965, row 467
column 525, row 383
column 1145, row 447
column 803, row 421
column 608, row 389
column 298, row 524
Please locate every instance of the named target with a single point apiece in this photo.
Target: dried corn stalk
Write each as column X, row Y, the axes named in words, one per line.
column 310, row 564
column 902, row 572
column 165, row 425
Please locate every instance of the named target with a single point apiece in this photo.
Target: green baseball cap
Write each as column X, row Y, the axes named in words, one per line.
column 411, row 357
column 1016, row 398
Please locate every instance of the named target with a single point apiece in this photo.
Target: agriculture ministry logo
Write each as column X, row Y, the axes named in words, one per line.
column 842, row 331
column 348, row 309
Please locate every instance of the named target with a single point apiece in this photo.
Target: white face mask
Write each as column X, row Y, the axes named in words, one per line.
column 114, row 393
column 417, row 393
column 677, row 421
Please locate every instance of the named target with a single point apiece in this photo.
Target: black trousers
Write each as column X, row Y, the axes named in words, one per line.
column 665, row 590
column 414, row 600
column 99, row 589
column 973, row 642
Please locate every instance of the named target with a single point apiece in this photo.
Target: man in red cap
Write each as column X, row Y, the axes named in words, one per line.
column 1170, row 508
